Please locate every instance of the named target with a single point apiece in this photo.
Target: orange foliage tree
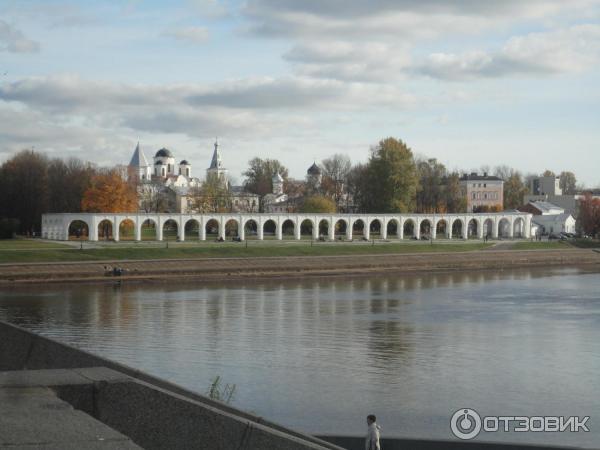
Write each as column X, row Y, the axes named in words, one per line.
column 110, row 193
column 589, row 215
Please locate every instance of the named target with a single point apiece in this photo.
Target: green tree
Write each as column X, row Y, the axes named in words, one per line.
column 431, row 190
column 318, row 204
column 258, row 176
column 456, row 202
column 24, row 188
column 391, row 177
column 514, row 190
column 548, row 173
column 568, row 183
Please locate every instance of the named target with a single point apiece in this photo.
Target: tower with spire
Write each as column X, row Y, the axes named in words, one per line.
column 216, row 169
column 138, row 166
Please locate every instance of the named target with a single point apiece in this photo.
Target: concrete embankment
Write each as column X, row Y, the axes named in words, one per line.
column 294, row 266
column 53, row 396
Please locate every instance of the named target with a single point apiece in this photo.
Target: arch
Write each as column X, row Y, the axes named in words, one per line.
column 340, row 228
column 441, row 229
column 251, row 229
column 191, row 230
column 232, row 228
column 425, row 228
column 148, row 230
column 211, row 229
column 269, row 228
column 287, row 229
column 504, row 228
column 170, row 230
column 307, row 227
column 323, row 228
column 78, row 230
column 519, row 227
column 127, row 230
column 375, row 228
column 457, row 228
column 488, row 228
column 409, row 229
column 393, row 228
column 473, row 229
column 358, row 228
column 105, row 230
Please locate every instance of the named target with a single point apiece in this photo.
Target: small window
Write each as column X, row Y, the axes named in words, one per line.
column 484, row 184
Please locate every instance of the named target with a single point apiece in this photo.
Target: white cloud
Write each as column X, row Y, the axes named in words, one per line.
column 561, row 51
column 194, row 35
column 14, row 41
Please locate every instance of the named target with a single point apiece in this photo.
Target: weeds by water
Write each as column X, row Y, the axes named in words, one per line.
column 217, row 391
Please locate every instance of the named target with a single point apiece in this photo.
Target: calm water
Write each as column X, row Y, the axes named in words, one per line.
column 319, row 355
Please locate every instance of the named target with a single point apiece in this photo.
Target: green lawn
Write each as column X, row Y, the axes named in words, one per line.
column 541, row 245
column 226, row 249
column 28, row 244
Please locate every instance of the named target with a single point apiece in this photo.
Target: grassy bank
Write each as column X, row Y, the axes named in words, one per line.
column 214, row 250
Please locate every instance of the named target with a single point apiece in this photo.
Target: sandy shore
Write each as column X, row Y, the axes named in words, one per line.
column 216, row 269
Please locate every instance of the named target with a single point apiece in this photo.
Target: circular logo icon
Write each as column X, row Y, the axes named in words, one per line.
column 465, row 423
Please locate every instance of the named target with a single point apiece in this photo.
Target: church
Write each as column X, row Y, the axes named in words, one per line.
column 165, row 186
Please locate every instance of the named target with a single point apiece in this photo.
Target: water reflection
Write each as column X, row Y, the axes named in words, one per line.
column 319, row 354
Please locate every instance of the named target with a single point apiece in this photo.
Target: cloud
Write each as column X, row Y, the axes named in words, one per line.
column 194, row 35
column 14, row 41
column 409, row 19
column 370, row 61
column 568, row 50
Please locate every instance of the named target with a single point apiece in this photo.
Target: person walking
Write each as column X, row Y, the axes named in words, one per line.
column 372, row 441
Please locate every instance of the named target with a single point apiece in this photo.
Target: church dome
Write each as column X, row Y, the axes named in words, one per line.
column 277, row 178
column 184, row 163
column 158, row 163
column 314, row 170
column 163, row 152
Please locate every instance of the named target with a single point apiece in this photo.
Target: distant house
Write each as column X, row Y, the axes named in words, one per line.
column 483, row 192
column 549, row 218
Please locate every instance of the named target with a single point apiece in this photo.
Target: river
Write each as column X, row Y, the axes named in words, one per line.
column 320, row 354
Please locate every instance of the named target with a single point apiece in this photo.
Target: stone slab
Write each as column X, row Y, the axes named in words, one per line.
column 33, row 417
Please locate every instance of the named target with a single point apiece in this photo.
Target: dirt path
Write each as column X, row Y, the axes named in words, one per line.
column 296, row 266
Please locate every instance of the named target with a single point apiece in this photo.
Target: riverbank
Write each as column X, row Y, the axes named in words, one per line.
column 315, row 265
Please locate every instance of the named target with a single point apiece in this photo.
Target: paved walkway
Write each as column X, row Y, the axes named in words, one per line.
column 33, row 417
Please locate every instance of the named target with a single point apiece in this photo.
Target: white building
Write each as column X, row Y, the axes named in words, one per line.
column 549, row 218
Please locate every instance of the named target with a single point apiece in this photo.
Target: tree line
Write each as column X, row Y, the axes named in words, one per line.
column 32, row 184
column 392, row 180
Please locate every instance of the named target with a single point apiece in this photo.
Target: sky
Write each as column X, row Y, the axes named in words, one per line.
column 472, row 83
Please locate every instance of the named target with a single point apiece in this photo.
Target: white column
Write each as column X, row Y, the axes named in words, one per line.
column 315, row 230
column 298, row 230
column 279, row 230
column 495, row 226
column 242, row 233
column 384, row 231
column 480, row 230
column 116, row 230
column 201, row 230
column 159, row 230
column 349, row 230
column 260, row 230
column 331, row 230
column 417, row 229
column 433, row 231
column 138, row 231
column 400, row 230
column 222, row 228
column 510, row 229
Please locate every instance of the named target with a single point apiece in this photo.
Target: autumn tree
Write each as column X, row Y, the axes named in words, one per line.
column 548, row 173
column 391, row 178
column 514, row 190
column 568, row 183
column 430, row 195
column 211, row 196
column 589, row 214
column 67, row 182
column 110, row 193
column 154, row 197
column 318, row 204
column 357, row 189
column 258, row 176
column 335, row 177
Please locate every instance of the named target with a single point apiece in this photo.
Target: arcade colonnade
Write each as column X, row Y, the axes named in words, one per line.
column 434, row 226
